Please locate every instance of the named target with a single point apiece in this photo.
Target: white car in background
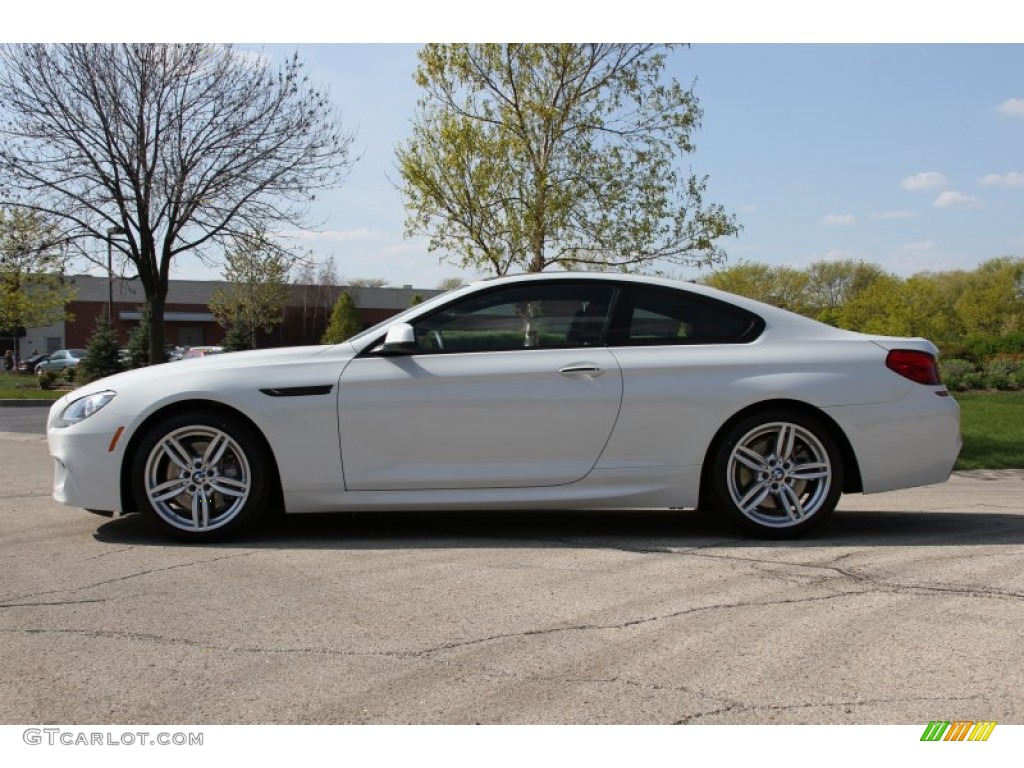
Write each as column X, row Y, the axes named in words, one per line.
column 536, row 391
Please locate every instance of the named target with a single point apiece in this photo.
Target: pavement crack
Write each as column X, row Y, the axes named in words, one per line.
column 632, row 622
column 874, row 581
column 130, row 576
column 752, row 708
column 53, row 602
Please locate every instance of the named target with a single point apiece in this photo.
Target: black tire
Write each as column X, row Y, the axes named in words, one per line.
column 225, row 489
column 777, row 474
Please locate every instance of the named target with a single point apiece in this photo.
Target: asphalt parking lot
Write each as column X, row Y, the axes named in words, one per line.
column 907, row 608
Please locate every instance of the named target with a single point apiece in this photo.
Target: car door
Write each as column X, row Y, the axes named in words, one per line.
column 507, row 388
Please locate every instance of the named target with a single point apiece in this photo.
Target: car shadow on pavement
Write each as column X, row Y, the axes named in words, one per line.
column 647, row 530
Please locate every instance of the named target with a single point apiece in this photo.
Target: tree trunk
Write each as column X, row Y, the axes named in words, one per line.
column 156, row 327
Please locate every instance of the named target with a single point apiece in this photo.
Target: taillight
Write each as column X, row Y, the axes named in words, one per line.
column 914, row 365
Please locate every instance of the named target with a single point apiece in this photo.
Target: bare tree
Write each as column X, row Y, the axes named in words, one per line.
column 173, row 148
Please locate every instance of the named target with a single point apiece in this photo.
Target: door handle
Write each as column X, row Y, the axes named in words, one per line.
column 581, row 369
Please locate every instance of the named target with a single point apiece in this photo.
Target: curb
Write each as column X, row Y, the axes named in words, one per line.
column 26, row 403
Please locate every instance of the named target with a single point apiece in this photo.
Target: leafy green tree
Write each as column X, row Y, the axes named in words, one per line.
column 175, row 148
column 532, row 156
column 33, row 290
column 257, row 293
column 345, row 322
column 138, row 341
column 992, row 300
column 103, row 353
column 830, row 284
column 780, row 286
column 880, row 308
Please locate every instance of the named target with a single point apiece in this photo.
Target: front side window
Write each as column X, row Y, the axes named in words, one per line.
column 530, row 316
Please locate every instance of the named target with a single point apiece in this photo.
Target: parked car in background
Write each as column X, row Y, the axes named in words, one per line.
column 61, row 359
column 194, row 352
column 28, row 364
column 530, row 392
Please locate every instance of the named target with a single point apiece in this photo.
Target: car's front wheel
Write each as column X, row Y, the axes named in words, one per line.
column 201, row 476
column 777, row 474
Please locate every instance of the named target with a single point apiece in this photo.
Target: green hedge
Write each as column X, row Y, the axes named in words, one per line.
column 1002, row 372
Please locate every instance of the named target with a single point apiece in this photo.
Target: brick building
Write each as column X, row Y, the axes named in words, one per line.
column 188, row 320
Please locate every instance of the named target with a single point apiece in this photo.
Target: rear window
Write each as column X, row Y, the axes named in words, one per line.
column 652, row 316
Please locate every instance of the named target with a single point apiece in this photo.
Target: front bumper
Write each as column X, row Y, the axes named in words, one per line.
column 86, row 473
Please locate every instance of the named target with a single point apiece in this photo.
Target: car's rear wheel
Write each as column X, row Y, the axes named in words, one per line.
column 201, row 476
column 777, row 474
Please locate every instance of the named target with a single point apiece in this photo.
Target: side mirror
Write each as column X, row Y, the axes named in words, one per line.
column 400, row 340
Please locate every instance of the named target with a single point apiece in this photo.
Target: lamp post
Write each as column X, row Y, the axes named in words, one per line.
column 111, row 231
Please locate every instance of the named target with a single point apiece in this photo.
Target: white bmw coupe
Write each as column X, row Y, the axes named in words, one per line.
column 536, row 391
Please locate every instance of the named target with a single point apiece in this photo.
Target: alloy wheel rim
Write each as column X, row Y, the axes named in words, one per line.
column 197, row 478
column 779, row 475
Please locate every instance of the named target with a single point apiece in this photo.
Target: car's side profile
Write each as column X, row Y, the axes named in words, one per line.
column 60, row 360
column 543, row 391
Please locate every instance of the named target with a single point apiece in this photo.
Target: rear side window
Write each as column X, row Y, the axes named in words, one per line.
column 654, row 316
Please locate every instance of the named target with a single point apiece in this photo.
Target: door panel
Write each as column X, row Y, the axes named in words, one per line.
column 514, row 418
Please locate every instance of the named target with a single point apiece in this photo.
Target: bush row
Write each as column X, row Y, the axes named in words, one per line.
column 977, row 349
column 1005, row 372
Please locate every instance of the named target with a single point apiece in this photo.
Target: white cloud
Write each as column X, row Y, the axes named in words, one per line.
column 953, row 199
column 838, row 219
column 1012, row 108
column 1011, row 179
column 335, row 235
column 889, row 215
column 926, row 180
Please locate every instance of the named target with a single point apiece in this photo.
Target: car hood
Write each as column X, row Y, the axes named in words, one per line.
column 246, row 363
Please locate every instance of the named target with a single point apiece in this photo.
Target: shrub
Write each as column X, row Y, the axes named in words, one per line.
column 973, row 380
column 953, row 372
column 1001, row 372
column 70, row 374
column 48, row 380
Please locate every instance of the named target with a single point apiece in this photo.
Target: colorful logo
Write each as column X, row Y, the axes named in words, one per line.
column 958, row 730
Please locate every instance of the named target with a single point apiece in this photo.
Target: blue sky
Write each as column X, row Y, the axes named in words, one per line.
column 911, row 156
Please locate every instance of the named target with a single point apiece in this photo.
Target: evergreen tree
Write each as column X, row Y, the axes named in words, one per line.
column 103, row 358
column 138, row 341
column 345, row 322
column 238, row 338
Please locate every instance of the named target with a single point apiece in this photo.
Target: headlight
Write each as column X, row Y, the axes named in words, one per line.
column 83, row 408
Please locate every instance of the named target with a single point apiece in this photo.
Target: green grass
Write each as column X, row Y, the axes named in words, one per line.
column 992, row 426
column 17, row 386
